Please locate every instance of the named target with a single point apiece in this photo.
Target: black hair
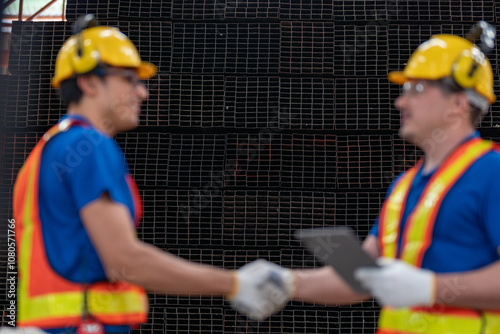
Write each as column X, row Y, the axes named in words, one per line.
column 69, row 90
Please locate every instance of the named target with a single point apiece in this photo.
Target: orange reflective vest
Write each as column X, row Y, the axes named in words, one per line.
column 417, row 237
column 45, row 299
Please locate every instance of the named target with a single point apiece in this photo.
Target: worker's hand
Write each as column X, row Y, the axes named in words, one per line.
column 261, row 289
column 398, row 284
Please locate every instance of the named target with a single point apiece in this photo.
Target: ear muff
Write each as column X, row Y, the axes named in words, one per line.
column 465, row 68
column 86, row 56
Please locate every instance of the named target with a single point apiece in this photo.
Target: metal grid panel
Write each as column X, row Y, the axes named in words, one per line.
column 32, row 101
column 295, row 256
column 361, row 50
column 196, row 160
column 304, row 209
column 196, row 101
column 16, row 102
column 309, row 161
column 155, row 110
column 309, row 321
column 4, row 86
column 394, row 92
column 307, row 47
column 362, row 104
column 147, row 155
column 153, row 41
column 253, row 160
column 100, row 8
column 253, row 9
column 405, row 156
column 231, row 48
column 307, row 9
column 359, row 209
column 363, row 161
column 16, row 148
column 353, row 10
column 156, row 320
column 251, row 218
column 192, row 320
column 252, row 48
column 120, row 9
column 199, row 47
column 6, row 196
column 198, row 9
column 189, row 218
column 237, row 323
column 251, row 102
column 307, row 103
column 358, row 321
column 35, row 44
column 447, row 10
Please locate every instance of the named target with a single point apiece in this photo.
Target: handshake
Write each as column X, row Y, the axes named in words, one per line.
column 261, row 288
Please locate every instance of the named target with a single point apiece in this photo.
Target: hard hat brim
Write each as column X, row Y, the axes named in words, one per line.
column 397, row 77
column 146, row 70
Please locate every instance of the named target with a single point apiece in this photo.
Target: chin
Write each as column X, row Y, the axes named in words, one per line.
column 406, row 135
column 130, row 124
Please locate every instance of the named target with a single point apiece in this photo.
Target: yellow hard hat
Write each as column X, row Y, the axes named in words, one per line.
column 449, row 56
column 81, row 53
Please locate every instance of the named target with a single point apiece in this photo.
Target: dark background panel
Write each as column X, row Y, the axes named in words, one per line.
column 196, row 161
column 307, row 47
column 251, row 102
column 309, row 161
column 363, row 161
column 120, row 9
column 362, row 104
column 253, row 160
column 307, row 103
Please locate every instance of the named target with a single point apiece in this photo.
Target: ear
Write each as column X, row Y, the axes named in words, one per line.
column 89, row 84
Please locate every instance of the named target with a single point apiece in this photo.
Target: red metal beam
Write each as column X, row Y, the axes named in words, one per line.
column 63, row 15
column 6, row 24
column 41, row 10
column 6, row 4
column 20, row 14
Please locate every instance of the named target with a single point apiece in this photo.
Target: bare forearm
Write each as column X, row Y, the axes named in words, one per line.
column 159, row 271
column 479, row 289
column 324, row 286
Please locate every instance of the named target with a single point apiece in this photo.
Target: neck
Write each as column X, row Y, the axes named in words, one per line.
column 91, row 114
column 437, row 150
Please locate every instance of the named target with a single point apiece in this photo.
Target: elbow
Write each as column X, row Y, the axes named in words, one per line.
column 121, row 265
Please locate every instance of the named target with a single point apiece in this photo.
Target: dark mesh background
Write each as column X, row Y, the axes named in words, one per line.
column 265, row 117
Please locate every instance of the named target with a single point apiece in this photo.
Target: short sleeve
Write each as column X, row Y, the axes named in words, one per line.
column 91, row 164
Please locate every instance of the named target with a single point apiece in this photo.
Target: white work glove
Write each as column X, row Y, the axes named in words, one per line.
column 398, row 284
column 261, row 289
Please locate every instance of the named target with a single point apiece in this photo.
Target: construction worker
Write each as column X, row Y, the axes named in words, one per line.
column 438, row 233
column 76, row 208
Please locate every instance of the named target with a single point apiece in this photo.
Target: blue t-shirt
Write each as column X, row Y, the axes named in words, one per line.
column 77, row 167
column 466, row 233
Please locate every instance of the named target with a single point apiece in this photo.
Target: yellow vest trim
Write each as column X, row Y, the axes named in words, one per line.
column 409, row 321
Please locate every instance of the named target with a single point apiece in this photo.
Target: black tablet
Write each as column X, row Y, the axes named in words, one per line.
column 339, row 248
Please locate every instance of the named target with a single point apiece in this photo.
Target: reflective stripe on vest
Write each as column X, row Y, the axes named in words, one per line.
column 46, row 299
column 417, row 237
